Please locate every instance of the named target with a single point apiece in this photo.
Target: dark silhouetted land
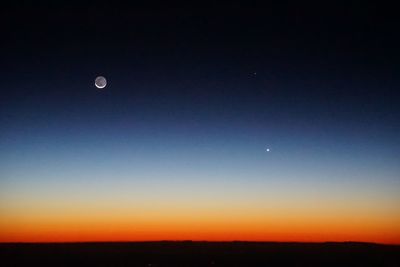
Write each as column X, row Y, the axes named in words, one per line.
column 199, row 254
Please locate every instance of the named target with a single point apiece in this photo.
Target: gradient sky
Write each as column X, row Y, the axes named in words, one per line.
column 174, row 148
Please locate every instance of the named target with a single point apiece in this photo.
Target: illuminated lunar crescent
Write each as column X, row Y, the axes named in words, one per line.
column 100, row 82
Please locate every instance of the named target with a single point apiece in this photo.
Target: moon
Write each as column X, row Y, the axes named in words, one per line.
column 100, row 82
column 268, row 149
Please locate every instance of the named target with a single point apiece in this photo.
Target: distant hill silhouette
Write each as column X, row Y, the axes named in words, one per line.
column 188, row 253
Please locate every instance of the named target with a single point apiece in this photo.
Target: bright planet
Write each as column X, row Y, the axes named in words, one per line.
column 100, row 82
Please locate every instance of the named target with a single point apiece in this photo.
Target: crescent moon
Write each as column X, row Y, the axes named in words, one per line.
column 100, row 82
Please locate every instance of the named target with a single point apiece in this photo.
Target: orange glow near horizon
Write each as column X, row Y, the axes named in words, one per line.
column 200, row 225
column 114, row 235
column 152, row 209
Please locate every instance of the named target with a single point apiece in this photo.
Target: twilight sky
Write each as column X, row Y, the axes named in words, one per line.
column 174, row 147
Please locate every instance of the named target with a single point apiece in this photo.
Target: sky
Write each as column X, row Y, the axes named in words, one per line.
column 263, row 124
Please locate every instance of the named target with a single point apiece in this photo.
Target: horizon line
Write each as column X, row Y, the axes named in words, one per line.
column 201, row 241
